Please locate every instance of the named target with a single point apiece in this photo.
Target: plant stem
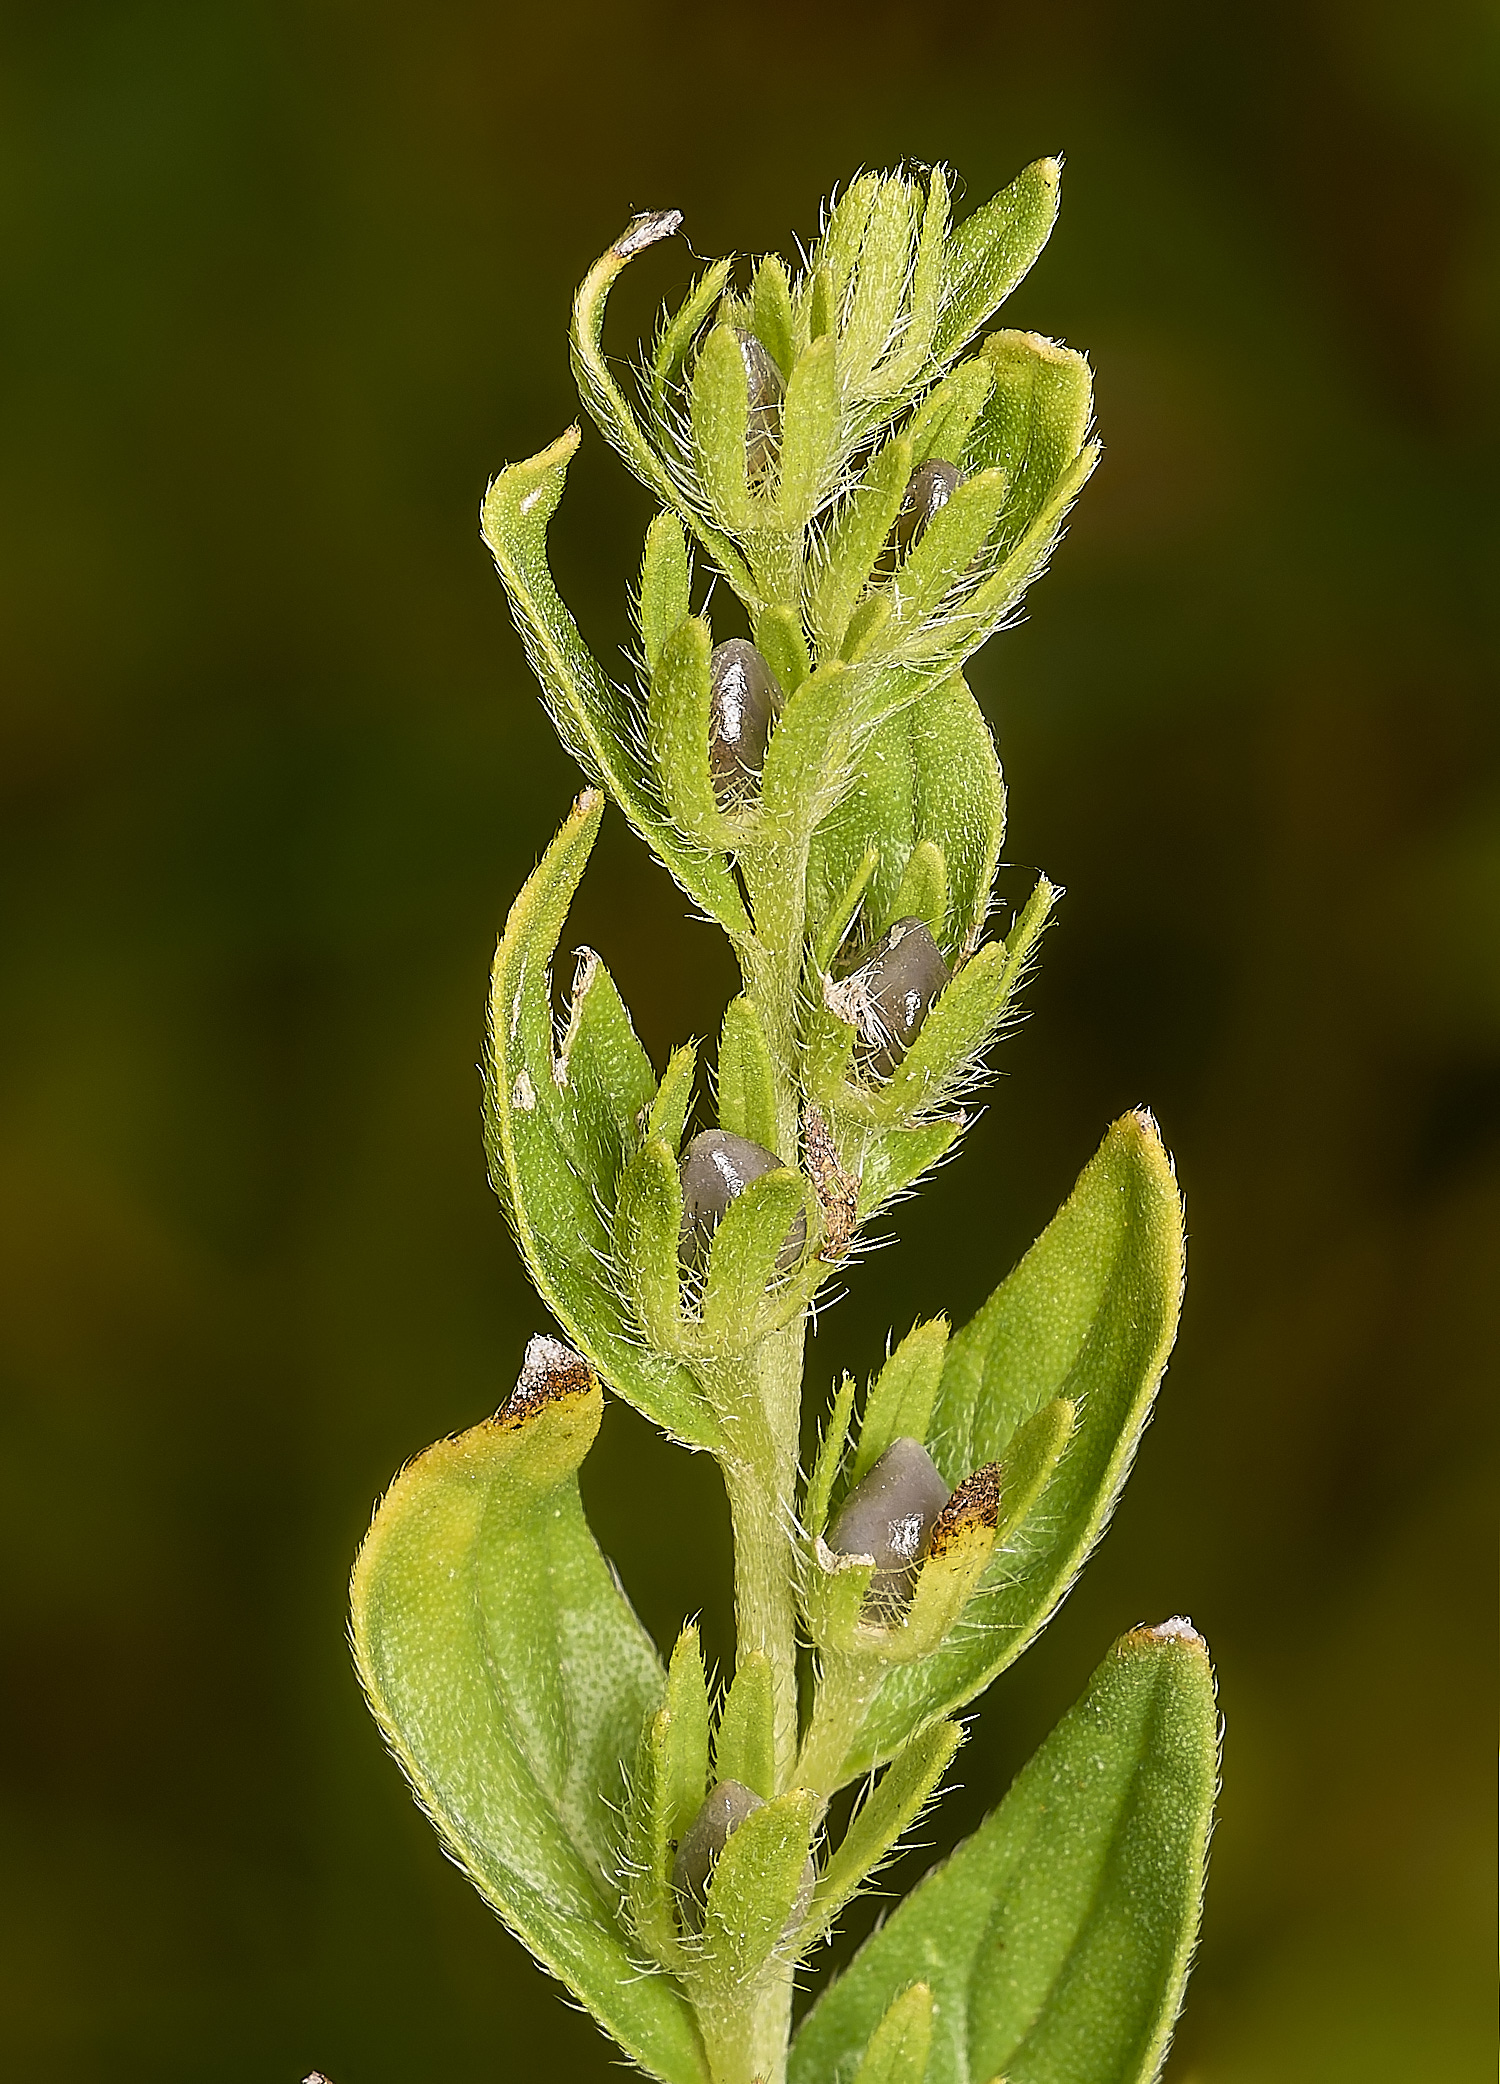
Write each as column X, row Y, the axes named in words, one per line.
column 846, row 1687
column 760, row 1469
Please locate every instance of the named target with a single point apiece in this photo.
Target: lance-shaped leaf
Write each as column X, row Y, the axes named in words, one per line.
column 606, row 403
column 752, row 1898
column 666, row 1792
column 941, row 424
column 858, row 534
column 666, row 577
column 604, row 1073
column 676, row 334
column 648, row 1229
column 954, row 537
column 747, row 1078
column 720, row 418
column 752, row 1238
column 771, row 312
column 812, row 424
column 888, row 1811
column 959, row 796
column 900, row 2044
column 588, row 712
column 923, row 891
column 745, row 1741
column 831, row 1444
column 963, row 1020
column 510, row 1679
column 1088, row 1316
column 667, row 1115
column 1056, row 1941
column 1034, row 420
column 679, row 718
column 900, row 1403
column 878, row 286
column 896, row 1158
column 539, row 1148
column 990, row 251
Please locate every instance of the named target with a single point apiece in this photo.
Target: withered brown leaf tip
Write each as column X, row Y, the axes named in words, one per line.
column 550, row 1372
column 976, row 1503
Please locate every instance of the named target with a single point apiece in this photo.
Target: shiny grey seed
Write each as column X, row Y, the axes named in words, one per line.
column 744, row 701
column 930, row 486
column 715, row 1167
column 765, row 391
column 893, row 991
column 728, row 1804
column 889, row 1515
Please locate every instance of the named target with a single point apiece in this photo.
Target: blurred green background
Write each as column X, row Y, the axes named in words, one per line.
column 283, row 284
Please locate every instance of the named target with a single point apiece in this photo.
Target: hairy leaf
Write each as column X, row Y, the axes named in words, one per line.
column 1056, row 1941
column 510, row 1678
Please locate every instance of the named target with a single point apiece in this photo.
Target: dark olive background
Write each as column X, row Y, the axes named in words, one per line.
column 283, row 284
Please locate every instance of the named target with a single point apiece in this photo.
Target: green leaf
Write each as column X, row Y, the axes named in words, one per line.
column 675, row 338
column 669, row 1111
column 589, row 714
column 1034, row 421
column 648, row 1226
column 950, row 543
column 900, row 1403
column 745, row 1744
column 510, row 1677
column 1056, row 1941
column 900, row 2044
column 992, row 250
column 1089, row 1315
column 830, row 1454
column 964, row 1019
column 771, row 312
column 894, row 1159
column 538, row 1135
column 665, row 580
column 742, row 1258
column 812, row 424
column 875, row 811
column 924, row 890
column 879, row 285
column 888, row 1811
column 720, row 417
column 780, row 639
column 666, row 1791
column 859, row 533
column 959, row 797
column 605, row 402
column 747, row 1078
column 606, row 1074
column 941, row 424
column 679, row 721
column 753, row 1893
column 807, row 748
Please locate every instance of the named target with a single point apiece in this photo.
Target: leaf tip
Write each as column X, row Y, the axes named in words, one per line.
column 976, row 1503
column 551, row 1373
column 1177, row 1628
column 645, row 229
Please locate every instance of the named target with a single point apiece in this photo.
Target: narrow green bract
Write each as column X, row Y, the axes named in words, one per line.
column 875, row 480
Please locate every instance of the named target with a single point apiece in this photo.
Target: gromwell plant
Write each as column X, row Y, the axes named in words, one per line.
column 860, row 482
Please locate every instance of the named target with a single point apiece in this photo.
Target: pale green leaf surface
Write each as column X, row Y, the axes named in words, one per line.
column 888, row 1811
column 1056, row 1941
column 510, row 1679
column 588, row 712
column 1089, row 1316
column 745, row 1742
column 900, row 1403
column 537, row 1154
column 900, row 2044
